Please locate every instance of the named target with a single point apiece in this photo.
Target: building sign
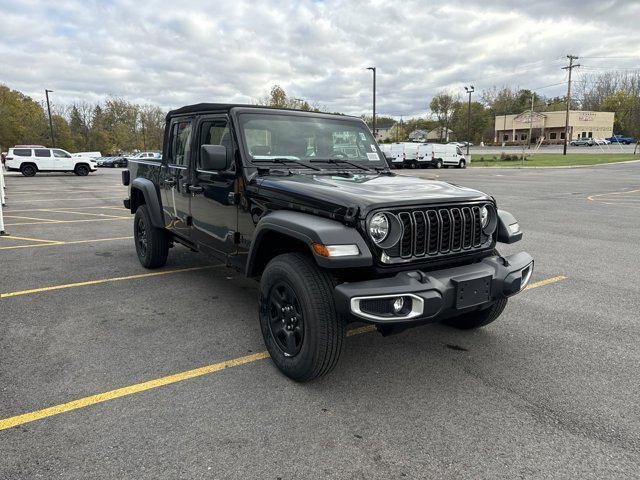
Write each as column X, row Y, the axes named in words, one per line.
column 529, row 117
column 586, row 117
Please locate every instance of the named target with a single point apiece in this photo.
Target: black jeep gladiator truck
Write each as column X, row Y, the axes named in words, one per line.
column 306, row 203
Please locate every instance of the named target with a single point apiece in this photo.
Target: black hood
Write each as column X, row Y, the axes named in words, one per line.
column 365, row 191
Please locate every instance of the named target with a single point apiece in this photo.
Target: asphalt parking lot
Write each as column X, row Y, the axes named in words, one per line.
column 97, row 355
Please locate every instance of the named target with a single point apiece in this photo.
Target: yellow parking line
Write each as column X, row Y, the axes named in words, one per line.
column 162, row 381
column 31, row 218
column 545, row 282
column 29, row 239
column 85, row 213
column 53, row 243
column 103, row 280
column 65, row 199
column 114, row 207
column 121, row 392
column 69, row 221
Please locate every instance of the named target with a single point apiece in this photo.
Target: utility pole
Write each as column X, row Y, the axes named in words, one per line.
column 469, row 90
column 47, row 92
column 531, row 120
column 570, row 67
column 373, row 69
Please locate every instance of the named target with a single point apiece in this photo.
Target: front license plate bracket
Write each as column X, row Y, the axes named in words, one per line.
column 472, row 291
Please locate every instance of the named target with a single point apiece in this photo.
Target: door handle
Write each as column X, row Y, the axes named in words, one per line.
column 169, row 182
column 195, row 189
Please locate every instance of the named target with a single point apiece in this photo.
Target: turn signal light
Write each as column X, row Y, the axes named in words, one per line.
column 335, row 250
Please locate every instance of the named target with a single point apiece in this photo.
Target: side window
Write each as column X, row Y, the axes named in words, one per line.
column 42, row 152
column 181, row 143
column 458, row 151
column 61, row 154
column 22, row 152
column 216, row 132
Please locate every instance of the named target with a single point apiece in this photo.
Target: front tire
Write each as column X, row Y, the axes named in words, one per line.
column 462, row 164
column 152, row 244
column 477, row 319
column 81, row 170
column 301, row 328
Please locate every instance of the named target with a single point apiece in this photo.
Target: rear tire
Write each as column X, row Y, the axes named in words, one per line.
column 301, row 328
column 152, row 244
column 439, row 164
column 28, row 170
column 81, row 170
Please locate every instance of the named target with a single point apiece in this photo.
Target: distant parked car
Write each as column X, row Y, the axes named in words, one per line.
column 582, row 142
column 601, row 141
column 112, row 162
column 621, row 139
column 461, row 144
column 147, row 155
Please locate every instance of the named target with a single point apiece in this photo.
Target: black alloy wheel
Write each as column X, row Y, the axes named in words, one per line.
column 28, row 170
column 82, row 170
column 141, row 235
column 286, row 320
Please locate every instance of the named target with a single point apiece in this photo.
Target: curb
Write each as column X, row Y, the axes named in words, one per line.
column 559, row 166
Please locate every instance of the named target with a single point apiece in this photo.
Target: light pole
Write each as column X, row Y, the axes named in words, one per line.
column 47, row 92
column 469, row 90
column 373, row 69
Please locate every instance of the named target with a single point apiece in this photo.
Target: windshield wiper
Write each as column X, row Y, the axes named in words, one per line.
column 342, row 160
column 284, row 160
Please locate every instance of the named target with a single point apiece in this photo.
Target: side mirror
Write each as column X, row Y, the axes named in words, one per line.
column 213, row 157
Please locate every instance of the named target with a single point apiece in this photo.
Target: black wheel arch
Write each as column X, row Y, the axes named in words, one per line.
column 143, row 192
column 285, row 231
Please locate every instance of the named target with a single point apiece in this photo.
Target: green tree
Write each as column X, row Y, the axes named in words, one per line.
column 442, row 106
column 22, row 120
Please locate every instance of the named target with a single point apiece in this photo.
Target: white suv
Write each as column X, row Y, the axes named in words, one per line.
column 30, row 161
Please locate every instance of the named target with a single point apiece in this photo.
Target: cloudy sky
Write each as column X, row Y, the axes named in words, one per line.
column 180, row 52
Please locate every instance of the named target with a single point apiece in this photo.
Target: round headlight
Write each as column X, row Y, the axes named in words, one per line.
column 379, row 227
column 484, row 216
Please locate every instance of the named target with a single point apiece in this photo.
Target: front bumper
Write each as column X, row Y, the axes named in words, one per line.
column 436, row 294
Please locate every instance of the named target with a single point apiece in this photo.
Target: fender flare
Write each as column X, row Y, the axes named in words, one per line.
column 151, row 199
column 311, row 229
column 505, row 234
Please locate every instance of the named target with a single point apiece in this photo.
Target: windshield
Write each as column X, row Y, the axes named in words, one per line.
column 270, row 137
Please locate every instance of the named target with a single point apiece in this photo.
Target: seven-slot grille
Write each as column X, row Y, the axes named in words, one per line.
column 438, row 231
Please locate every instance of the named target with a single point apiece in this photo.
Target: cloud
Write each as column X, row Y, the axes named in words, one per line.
column 175, row 53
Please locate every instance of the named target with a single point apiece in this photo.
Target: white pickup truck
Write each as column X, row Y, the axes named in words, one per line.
column 31, row 160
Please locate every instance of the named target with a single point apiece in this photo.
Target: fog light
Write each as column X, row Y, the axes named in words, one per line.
column 398, row 304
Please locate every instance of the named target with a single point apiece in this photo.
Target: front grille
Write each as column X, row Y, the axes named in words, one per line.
column 439, row 231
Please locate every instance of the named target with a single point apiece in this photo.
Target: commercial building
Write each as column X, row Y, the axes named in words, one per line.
column 551, row 126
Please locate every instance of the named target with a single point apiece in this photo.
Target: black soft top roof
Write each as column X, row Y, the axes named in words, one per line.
column 225, row 107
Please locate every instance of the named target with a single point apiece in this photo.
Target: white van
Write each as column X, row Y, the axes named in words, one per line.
column 30, row 161
column 438, row 156
column 401, row 154
column 87, row 154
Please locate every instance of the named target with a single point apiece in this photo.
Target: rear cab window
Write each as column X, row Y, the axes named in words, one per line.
column 180, row 150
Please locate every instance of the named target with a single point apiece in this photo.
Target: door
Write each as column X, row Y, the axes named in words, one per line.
column 174, row 177
column 213, row 208
column 43, row 158
column 62, row 160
